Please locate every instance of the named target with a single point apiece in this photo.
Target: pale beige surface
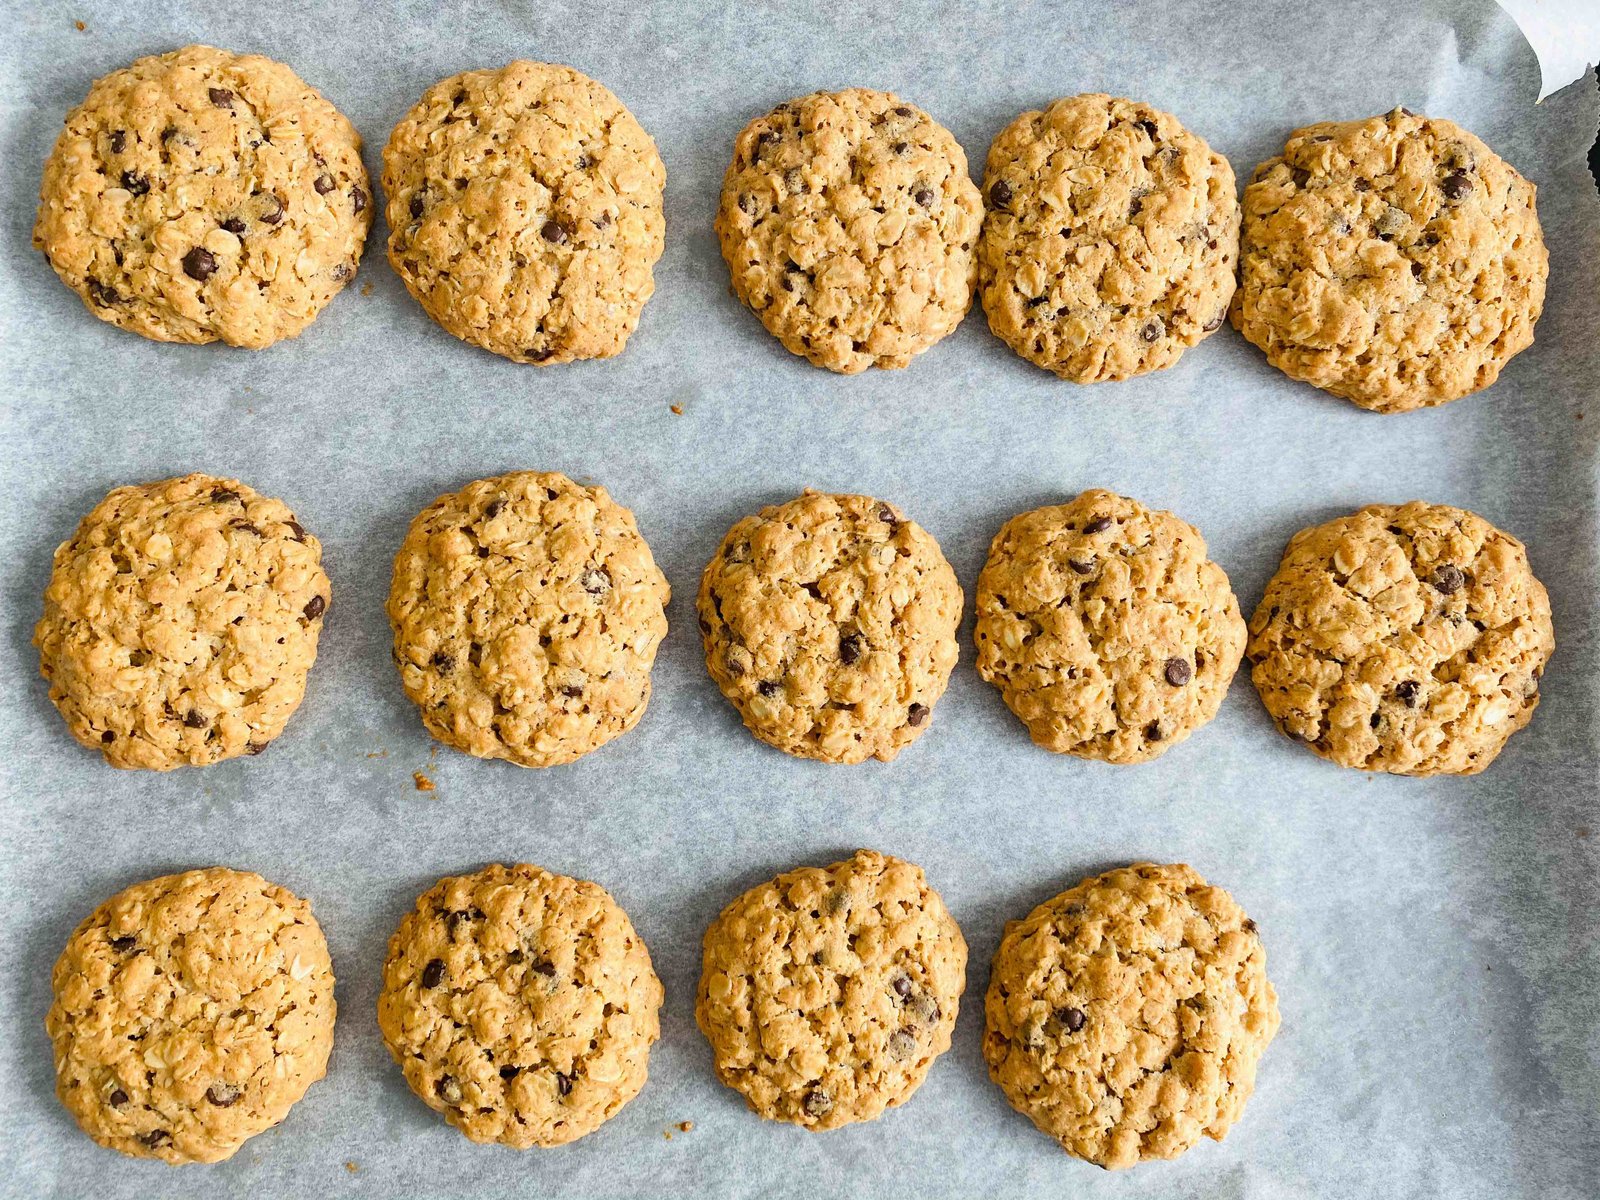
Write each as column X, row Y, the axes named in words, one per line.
column 830, row 622
column 1396, row 261
column 527, row 611
column 1404, row 638
column 1111, row 238
column 1106, row 627
column 180, row 622
column 203, row 195
column 1126, row 1016
column 525, row 211
column 850, row 227
column 827, row 993
column 190, row 1013
column 520, row 1004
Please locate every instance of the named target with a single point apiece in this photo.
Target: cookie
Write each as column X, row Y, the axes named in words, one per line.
column 1407, row 638
column 827, row 993
column 525, row 212
column 191, row 1012
column 527, row 612
column 180, row 622
column 1106, row 628
column 204, row 196
column 849, row 225
column 520, row 1004
column 830, row 624
column 1396, row 261
column 1126, row 1016
column 1110, row 241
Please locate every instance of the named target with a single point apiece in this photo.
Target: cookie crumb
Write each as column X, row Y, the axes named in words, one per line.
column 1583, row 831
column 352, row 1167
column 685, row 1126
column 79, row 26
column 366, row 289
column 677, row 411
column 424, row 784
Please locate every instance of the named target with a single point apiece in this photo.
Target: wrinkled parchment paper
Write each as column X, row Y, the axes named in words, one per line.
column 1433, row 942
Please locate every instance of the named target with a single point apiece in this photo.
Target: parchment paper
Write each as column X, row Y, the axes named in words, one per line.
column 1433, row 942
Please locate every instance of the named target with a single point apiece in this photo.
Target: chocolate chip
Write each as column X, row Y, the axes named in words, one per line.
column 1149, row 128
column 768, row 688
column 901, row 984
column 124, row 943
column 494, row 508
column 748, row 205
column 553, row 232
column 274, row 212
column 850, row 648
column 1152, row 732
column 1363, row 184
column 135, row 182
column 224, row 1095
column 572, row 691
column 234, row 226
column 108, row 737
column 194, row 720
column 1178, row 671
column 1416, row 270
column 1072, row 1018
column 1215, row 323
column 563, row 1084
column 539, row 355
column 916, row 715
column 1300, row 175
column 1097, row 525
column 1456, row 185
column 1448, row 579
column 254, row 748
column 543, row 966
column 416, row 206
column 900, row 147
column 817, row 1103
column 433, row 973
column 1082, row 568
column 155, row 1138
column 596, row 581
column 1153, row 329
column 1407, row 691
column 199, row 264
column 315, row 607
column 886, row 515
column 1000, row 193
column 902, row 1045
column 358, row 199
column 221, row 97
column 924, row 197
column 509, row 1072
column 119, row 141
column 103, row 295
column 442, row 662
column 323, row 184
column 1135, row 206
column 448, row 1089
column 224, row 496
column 118, row 1098
column 794, row 180
column 902, row 111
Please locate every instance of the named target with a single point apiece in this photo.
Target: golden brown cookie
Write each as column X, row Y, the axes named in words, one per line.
column 520, row 1004
column 850, row 227
column 203, row 195
column 191, row 1012
column 1106, row 627
column 527, row 612
column 1125, row 1017
column 180, row 622
column 1110, row 241
column 1405, row 638
column 1395, row 261
column 827, row 993
column 525, row 213
column 830, row 624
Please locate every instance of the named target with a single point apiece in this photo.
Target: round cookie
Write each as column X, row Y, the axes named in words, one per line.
column 1110, row 241
column 1125, row 1017
column 827, row 993
column 202, row 195
column 1405, row 638
column 191, row 1012
column 830, row 624
column 527, row 611
column 1106, row 628
column 849, row 225
column 525, row 212
column 520, row 1004
column 180, row 622
column 1395, row 261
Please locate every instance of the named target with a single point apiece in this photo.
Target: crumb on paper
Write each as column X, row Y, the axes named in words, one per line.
column 685, row 1126
column 79, row 26
column 384, row 753
column 667, row 1133
column 352, row 1167
column 1583, row 831
column 424, row 784
column 677, row 410
column 366, row 289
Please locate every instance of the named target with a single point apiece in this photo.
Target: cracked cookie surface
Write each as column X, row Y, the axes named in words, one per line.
column 180, row 622
column 1396, row 261
column 520, row 1004
column 1126, row 1016
column 525, row 212
column 1110, row 241
column 850, row 225
column 1106, row 627
column 190, row 1013
column 202, row 195
column 1405, row 638
column 830, row 624
column 527, row 612
column 827, row 993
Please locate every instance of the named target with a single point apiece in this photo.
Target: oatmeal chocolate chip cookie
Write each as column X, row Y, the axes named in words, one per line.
column 1406, row 638
column 190, row 1013
column 830, row 624
column 200, row 196
column 527, row 612
column 1110, row 241
column 1126, row 1016
column 1106, row 628
column 520, row 1004
column 849, row 224
column 525, row 212
column 827, row 993
column 1396, row 261
column 180, row 622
